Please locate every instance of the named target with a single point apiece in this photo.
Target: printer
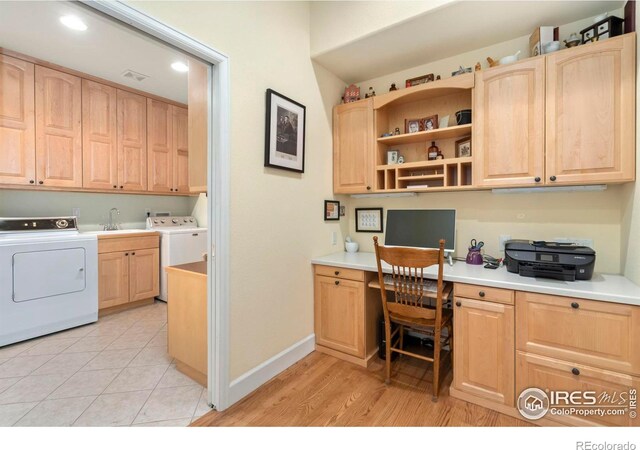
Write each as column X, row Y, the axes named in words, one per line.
column 561, row 261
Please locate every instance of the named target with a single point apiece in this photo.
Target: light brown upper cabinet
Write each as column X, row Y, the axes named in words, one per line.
column 508, row 130
column 58, row 128
column 353, row 153
column 100, row 161
column 590, row 124
column 198, row 127
column 180, row 149
column 17, row 122
column 159, row 146
column 132, row 141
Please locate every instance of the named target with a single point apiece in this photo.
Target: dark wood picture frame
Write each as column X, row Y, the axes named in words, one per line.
column 285, row 130
column 459, row 143
column 434, row 121
column 378, row 211
column 335, row 210
column 408, row 122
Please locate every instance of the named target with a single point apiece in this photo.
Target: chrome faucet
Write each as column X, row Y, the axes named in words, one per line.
column 112, row 225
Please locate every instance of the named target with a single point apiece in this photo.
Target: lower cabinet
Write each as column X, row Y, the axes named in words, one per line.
column 483, row 348
column 346, row 314
column 128, row 270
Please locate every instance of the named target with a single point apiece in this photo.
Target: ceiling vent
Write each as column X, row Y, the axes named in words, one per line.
column 132, row 75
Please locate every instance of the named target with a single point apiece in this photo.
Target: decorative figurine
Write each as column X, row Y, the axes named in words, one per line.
column 572, row 41
column 393, row 87
column 438, row 77
column 396, row 131
column 371, row 93
column 351, row 94
column 400, row 159
column 433, row 151
column 478, row 66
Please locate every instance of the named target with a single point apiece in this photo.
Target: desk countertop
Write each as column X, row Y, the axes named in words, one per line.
column 199, row 268
column 602, row 287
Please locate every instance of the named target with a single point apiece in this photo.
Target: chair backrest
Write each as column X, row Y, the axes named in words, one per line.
column 408, row 266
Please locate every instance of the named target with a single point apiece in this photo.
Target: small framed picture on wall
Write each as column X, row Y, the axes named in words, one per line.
column 369, row 220
column 331, row 210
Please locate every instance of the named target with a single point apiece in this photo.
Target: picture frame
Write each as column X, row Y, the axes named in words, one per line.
column 331, row 210
column 419, row 80
column 430, row 123
column 413, row 125
column 284, row 133
column 463, row 147
column 369, row 220
column 392, row 157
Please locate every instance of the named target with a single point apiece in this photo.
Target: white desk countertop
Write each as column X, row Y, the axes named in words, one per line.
column 602, row 287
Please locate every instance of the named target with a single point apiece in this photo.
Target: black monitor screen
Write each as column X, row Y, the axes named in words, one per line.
column 421, row 228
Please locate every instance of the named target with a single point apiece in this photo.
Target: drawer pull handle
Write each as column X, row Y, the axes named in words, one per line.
column 337, row 272
column 481, row 294
column 575, row 371
column 575, row 305
column 458, row 304
column 337, row 283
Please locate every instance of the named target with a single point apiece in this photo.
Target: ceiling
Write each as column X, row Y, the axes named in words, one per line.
column 453, row 29
column 106, row 49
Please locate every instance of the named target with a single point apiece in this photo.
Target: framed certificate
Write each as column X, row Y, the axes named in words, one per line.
column 369, row 220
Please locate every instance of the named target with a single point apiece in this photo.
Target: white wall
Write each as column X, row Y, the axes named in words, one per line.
column 276, row 224
column 94, row 208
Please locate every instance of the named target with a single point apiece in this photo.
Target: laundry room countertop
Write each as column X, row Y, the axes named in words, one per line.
column 199, row 268
column 115, row 234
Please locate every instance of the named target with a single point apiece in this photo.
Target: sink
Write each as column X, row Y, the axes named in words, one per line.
column 102, row 232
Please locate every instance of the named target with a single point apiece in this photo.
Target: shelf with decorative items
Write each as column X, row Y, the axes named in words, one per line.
column 439, row 175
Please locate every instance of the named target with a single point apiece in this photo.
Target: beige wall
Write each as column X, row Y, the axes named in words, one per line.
column 334, row 24
column 276, row 225
column 631, row 204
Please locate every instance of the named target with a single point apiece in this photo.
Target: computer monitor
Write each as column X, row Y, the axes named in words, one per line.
column 422, row 228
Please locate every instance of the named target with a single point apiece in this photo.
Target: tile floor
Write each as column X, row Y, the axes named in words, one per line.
column 115, row 372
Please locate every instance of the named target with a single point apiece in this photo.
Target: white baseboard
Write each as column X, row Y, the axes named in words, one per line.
column 256, row 377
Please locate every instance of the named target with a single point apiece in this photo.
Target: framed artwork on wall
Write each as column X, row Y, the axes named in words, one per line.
column 284, row 133
column 369, row 220
column 331, row 210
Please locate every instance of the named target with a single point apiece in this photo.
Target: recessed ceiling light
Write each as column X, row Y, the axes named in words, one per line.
column 73, row 22
column 180, row 67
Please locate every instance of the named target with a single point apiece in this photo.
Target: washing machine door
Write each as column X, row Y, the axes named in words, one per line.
column 46, row 274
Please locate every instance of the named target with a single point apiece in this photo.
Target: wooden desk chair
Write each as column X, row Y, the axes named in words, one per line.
column 410, row 307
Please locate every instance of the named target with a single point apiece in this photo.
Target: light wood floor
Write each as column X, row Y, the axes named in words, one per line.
column 321, row 390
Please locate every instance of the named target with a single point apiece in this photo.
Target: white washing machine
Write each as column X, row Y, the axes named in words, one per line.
column 48, row 277
column 181, row 242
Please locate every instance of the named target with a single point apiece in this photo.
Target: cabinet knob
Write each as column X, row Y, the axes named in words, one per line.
column 368, row 188
column 31, row 182
column 575, row 371
column 121, row 187
column 126, row 254
column 337, row 282
column 176, row 189
column 40, row 182
column 337, row 272
column 481, row 294
column 115, row 187
column 575, row 305
column 537, row 179
column 552, row 178
column 133, row 253
column 458, row 303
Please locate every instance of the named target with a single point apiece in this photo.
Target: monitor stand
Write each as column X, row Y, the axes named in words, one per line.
column 449, row 256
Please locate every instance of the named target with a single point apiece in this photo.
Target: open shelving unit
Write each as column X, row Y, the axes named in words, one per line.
column 417, row 174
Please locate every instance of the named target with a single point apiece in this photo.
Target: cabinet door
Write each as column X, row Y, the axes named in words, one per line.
column 508, row 130
column 484, row 350
column 555, row 375
column 353, row 158
column 58, row 128
column 17, row 122
column 132, row 141
column 339, row 315
column 198, row 124
column 100, row 159
column 591, row 113
column 180, row 149
column 159, row 146
column 113, row 279
column 144, row 266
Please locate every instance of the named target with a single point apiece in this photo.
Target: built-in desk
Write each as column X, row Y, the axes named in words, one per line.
column 510, row 332
column 187, row 318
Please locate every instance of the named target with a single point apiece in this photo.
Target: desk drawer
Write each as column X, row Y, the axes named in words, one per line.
column 339, row 272
column 556, row 375
column 598, row 334
column 488, row 294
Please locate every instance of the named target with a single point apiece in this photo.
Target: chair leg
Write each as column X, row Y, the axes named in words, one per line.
column 450, row 334
column 436, row 365
column 401, row 337
column 387, row 332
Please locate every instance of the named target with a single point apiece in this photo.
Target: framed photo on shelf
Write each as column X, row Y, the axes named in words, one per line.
column 463, row 147
column 392, row 157
column 413, row 125
column 331, row 210
column 430, row 123
column 369, row 220
column 284, row 135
